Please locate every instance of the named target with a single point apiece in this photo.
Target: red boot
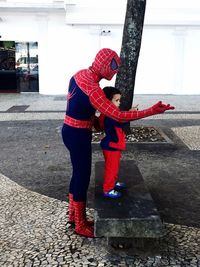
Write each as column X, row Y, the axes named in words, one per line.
column 81, row 226
column 71, row 212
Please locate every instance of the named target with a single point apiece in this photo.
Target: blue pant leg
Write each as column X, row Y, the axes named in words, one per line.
column 78, row 142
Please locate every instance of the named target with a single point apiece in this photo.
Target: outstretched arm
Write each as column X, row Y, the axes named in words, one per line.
column 102, row 104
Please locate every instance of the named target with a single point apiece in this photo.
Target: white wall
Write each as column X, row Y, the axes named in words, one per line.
column 191, row 77
column 169, row 57
column 169, row 60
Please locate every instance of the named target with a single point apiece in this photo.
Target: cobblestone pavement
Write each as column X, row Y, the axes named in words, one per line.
column 33, row 230
column 34, row 233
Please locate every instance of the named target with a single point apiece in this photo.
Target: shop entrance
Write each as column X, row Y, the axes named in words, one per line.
column 8, row 79
column 19, row 67
column 27, row 66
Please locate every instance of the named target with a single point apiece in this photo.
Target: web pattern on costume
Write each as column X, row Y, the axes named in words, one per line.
column 85, row 81
column 88, row 82
column 103, row 63
column 77, row 123
column 102, row 104
column 88, row 79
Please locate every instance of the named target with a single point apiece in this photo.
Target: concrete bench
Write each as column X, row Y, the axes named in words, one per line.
column 134, row 215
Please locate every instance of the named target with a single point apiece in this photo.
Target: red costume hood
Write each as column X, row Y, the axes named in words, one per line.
column 105, row 66
column 102, row 64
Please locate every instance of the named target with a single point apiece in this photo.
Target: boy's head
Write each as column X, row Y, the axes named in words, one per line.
column 113, row 94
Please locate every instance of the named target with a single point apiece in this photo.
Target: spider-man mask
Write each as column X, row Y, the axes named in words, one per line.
column 106, row 63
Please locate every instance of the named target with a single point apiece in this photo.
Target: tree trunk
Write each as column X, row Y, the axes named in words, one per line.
column 131, row 42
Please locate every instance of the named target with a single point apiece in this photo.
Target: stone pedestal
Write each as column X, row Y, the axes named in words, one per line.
column 134, row 215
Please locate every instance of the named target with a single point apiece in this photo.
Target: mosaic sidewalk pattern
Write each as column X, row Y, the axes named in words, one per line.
column 34, row 233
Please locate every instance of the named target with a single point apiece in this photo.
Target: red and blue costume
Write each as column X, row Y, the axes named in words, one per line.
column 85, row 96
column 112, row 145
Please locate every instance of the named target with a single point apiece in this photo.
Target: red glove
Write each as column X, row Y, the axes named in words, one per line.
column 160, row 107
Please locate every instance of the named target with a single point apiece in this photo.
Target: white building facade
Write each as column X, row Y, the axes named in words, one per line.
column 68, row 34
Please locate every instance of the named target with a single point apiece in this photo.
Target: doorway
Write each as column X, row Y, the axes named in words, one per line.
column 8, row 81
column 19, row 69
column 27, row 68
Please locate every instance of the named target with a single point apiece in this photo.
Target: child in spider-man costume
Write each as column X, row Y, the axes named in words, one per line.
column 112, row 145
column 85, row 97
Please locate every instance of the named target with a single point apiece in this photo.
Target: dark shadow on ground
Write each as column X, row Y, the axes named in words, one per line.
column 33, row 155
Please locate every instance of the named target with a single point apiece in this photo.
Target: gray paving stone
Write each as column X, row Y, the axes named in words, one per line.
column 33, row 224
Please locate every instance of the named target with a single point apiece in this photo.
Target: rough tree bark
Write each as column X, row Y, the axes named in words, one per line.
column 130, row 49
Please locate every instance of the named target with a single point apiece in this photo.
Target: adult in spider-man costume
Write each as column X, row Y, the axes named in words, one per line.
column 85, row 96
